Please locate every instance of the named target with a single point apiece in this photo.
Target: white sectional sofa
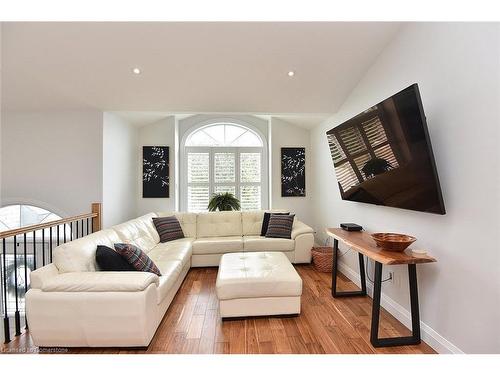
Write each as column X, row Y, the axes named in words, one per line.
column 70, row 304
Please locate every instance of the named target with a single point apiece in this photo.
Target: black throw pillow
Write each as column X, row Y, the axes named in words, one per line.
column 265, row 221
column 109, row 260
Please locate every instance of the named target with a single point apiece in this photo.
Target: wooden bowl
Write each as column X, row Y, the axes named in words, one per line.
column 393, row 241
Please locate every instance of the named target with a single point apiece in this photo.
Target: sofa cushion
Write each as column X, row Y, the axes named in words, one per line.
column 137, row 258
column 280, row 226
column 100, row 282
column 257, row 243
column 252, row 222
column 147, row 224
column 180, row 250
column 218, row 245
column 139, row 232
column 168, row 228
column 187, row 221
column 79, row 255
column 170, row 272
column 265, row 221
column 219, row 224
column 109, row 260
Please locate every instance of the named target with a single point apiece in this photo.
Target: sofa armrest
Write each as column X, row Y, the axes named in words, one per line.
column 42, row 275
column 128, row 281
column 300, row 228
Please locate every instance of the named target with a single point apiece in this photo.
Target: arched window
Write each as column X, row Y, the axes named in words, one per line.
column 21, row 215
column 13, row 217
column 223, row 157
column 224, row 135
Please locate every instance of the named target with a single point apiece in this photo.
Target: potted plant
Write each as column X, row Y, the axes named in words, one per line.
column 224, row 202
column 376, row 166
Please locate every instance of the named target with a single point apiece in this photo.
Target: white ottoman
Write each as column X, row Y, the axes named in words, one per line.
column 256, row 284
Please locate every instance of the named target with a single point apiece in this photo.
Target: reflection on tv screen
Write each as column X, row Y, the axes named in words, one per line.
column 384, row 156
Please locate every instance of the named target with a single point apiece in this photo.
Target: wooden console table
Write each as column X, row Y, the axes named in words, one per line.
column 365, row 245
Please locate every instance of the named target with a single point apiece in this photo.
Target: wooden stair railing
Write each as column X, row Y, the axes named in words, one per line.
column 14, row 275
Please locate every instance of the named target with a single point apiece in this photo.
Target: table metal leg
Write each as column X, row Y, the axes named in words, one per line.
column 414, row 339
column 353, row 293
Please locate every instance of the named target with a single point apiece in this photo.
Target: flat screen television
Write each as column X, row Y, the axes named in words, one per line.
column 384, row 156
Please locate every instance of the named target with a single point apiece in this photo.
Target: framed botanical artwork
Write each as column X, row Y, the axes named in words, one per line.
column 293, row 172
column 155, row 172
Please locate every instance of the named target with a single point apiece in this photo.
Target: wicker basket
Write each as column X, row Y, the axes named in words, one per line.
column 322, row 258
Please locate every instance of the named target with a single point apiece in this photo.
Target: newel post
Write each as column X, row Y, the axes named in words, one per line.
column 96, row 221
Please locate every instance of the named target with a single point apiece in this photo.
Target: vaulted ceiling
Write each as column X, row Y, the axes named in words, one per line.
column 187, row 67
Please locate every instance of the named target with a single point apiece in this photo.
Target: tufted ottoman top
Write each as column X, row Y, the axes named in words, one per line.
column 254, row 275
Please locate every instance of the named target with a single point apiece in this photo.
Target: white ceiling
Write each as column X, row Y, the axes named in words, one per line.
column 187, row 67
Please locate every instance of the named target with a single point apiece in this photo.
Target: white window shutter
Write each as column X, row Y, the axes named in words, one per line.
column 198, row 177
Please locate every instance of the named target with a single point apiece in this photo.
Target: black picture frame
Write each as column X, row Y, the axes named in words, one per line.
column 155, row 172
column 293, row 172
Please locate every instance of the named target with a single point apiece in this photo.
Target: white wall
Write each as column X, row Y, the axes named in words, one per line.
column 120, row 189
column 52, row 159
column 457, row 69
column 284, row 134
column 161, row 133
column 2, row 338
column 1, row 105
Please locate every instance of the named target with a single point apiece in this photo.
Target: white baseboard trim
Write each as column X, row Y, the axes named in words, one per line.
column 429, row 335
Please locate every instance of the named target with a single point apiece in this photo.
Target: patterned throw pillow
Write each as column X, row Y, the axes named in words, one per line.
column 137, row 258
column 280, row 226
column 168, row 228
column 265, row 221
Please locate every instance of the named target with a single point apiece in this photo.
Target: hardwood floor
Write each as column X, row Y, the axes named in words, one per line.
column 192, row 324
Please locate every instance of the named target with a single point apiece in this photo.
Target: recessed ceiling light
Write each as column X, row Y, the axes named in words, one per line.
column 136, row 71
column 291, row 73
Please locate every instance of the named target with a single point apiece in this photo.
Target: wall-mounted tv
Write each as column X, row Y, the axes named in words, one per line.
column 384, row 156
